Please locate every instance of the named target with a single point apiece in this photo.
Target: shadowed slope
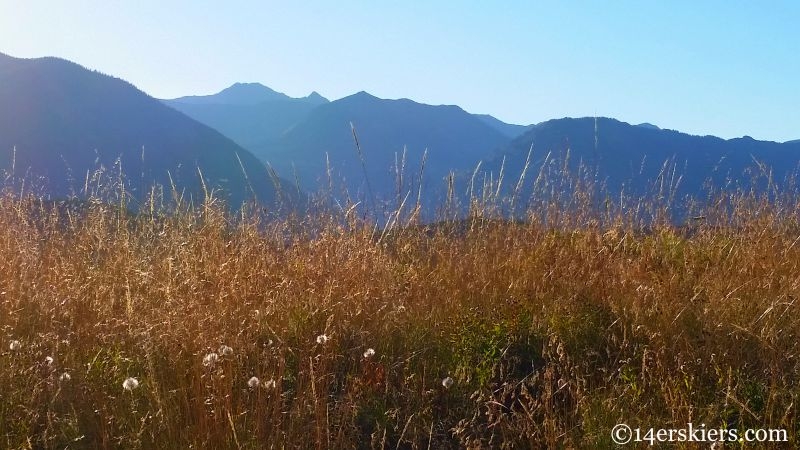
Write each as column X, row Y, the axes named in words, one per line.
column 66, row 121
column 454, row 139
column 630, row 158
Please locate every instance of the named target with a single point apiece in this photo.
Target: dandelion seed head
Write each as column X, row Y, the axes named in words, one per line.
column 210, row 359
column 369, row 353
column 253, row 382
column 48, row 360
column 14, row 345
column 448, row 383
column 130, row 384
column 321, row 339
column 224, row 350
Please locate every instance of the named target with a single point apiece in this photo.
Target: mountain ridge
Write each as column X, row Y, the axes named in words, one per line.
column 60, row 117
column 393, row 136
column 629, row 158
column 245, row 94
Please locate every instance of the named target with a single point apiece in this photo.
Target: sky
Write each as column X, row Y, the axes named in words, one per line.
column 725, row 68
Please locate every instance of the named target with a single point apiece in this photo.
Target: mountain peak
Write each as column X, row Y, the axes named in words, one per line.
column 648, row 125
column 363, row 94
column 315, row 97
column 245, row 94
column 255, row 89
column 359, row 98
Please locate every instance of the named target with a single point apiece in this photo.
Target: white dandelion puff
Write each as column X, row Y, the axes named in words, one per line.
column 48, row 360
column 65, row 377
column 130, row 384
column 369, row 353
column 14, row 345
column 253, row 382
column 224, row 350
column 448, row 383
column 321, row 339
column 210, row 359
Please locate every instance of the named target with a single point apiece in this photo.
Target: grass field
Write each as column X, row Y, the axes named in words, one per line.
column 477, row 333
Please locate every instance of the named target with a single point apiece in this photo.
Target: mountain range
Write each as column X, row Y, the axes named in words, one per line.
column 645, row 160
column 310, row 138
column 60, row 121
column 393, row 136
column 248, row 113
column 623, row 158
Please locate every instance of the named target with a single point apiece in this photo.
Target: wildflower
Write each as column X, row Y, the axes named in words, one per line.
column 321, row 339
column 369, row 353
column 224, row 350
column 130, row 384
column 14, row 345
column 65, row 377
column 210, row 359
column 448, row 383
column 253, row 382
column 48, row 360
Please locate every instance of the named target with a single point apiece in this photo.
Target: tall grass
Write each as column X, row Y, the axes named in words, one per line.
column 582, row 313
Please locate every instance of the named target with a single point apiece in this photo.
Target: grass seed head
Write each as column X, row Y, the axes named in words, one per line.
column 210, row 359
column 253, row 382
column 130, row 384
column 448, row 383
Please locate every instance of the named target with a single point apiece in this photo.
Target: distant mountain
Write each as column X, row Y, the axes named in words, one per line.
column 509, row 130
column 294, row 134
column 245, row 94
column 629, row 158
column 796, row 141
column 66, row 121
column 387, row 129
column 250, row 114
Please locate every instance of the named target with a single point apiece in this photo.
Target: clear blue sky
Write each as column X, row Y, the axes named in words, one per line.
column 727, row 68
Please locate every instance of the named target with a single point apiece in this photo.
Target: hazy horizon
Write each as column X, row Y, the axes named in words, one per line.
column 711, row 69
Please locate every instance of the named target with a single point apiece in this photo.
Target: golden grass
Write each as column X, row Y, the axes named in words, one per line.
column 552, row 331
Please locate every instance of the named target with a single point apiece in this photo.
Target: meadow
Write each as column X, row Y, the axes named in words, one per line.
column 194, row 327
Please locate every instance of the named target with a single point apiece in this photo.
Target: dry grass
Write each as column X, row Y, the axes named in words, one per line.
column 552, row 330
